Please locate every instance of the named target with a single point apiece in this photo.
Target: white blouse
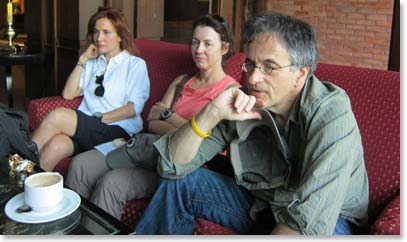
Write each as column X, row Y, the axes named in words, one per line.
column 125, row 80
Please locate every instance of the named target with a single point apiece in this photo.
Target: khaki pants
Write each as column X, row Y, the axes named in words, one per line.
column 109, row 189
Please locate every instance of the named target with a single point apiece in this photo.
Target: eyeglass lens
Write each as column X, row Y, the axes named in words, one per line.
column 248, row 67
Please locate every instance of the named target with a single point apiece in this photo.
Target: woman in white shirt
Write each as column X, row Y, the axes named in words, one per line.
column 114, row 84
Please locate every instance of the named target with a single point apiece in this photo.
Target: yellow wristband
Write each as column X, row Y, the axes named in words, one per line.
column 198, row 131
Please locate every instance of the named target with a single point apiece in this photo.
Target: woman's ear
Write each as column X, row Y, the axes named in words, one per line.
column 225, row 48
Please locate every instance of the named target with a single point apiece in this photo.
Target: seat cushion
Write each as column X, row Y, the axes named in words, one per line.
column 388, row 223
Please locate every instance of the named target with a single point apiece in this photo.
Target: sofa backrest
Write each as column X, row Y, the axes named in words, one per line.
column 165, row 61
column 375, row 98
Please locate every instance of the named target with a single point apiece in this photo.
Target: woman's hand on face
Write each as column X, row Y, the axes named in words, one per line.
column 155, row 111
column 90, row 53
column 234, row 104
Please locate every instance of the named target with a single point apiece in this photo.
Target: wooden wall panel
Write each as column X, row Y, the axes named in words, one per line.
column 150, row 19
column 38, row 25
column 67, row 41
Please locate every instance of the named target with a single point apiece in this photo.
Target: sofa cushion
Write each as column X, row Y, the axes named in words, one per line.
column 389, row 220
column 375, row 98
column 206, row 227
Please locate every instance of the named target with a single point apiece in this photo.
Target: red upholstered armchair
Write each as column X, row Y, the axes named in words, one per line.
column 375, row 97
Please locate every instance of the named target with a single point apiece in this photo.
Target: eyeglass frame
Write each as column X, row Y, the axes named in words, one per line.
column 100, row 87
column 261, row 68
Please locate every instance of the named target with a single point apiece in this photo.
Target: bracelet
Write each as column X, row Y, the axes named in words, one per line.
column 198, row 131
column 79, row 64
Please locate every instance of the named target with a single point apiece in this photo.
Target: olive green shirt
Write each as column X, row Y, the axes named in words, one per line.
column 309, row 172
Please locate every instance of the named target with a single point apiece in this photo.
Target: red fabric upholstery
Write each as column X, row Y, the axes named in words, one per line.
column 389, row 220
column 133, row 210
column 205, row 227
column 39, row 108
column 375, row 97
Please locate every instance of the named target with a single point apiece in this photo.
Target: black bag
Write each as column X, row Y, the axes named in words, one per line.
column 14, row 136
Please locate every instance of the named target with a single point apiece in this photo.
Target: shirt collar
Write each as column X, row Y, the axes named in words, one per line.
column 294, row 113
column 117, row 59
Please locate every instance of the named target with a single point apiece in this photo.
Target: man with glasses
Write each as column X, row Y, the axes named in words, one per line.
column 293, row 141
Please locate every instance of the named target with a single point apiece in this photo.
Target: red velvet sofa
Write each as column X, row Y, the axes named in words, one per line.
column 375, row 97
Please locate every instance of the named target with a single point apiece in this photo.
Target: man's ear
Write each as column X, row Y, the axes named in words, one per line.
column 302, row 75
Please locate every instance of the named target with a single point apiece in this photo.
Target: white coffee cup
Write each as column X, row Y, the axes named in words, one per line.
column 43, row 191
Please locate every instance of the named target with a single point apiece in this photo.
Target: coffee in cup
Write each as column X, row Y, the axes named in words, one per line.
column 43, row 191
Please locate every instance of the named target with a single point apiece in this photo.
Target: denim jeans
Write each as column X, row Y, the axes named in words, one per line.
column 342, row 227
column 205, row 194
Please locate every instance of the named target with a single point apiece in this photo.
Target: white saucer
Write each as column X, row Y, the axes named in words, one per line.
column 70, row 203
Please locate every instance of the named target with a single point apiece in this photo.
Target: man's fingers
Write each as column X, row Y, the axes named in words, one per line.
column 250, row 104
column 241, row 102
column 248, row 115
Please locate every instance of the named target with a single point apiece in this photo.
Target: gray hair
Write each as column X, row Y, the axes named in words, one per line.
column 297, row 36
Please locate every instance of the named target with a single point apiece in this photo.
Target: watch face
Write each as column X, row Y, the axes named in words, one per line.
column 98, row 115
column 166, row 114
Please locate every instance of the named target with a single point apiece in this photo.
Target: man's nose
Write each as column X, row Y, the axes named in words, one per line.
column 255, row 76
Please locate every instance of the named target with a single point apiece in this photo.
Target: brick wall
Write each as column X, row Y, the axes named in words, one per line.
column 350, row 32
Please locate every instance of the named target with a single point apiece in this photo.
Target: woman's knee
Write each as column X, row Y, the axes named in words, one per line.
column 110, row 181
column 108, row 186
column 60, row 120
column 60, row 145
column 56, row 115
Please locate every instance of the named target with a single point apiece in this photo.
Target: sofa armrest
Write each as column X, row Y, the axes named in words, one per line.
column 388, row 222
column 39, row 108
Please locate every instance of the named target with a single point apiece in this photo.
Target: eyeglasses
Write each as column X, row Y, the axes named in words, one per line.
column 100, row 90
column 266, row 69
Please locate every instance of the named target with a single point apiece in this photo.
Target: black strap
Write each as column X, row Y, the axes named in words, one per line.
column 179, row 87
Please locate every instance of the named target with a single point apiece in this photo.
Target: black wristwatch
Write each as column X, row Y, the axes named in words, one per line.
column 98, row 115
column 165, row 114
